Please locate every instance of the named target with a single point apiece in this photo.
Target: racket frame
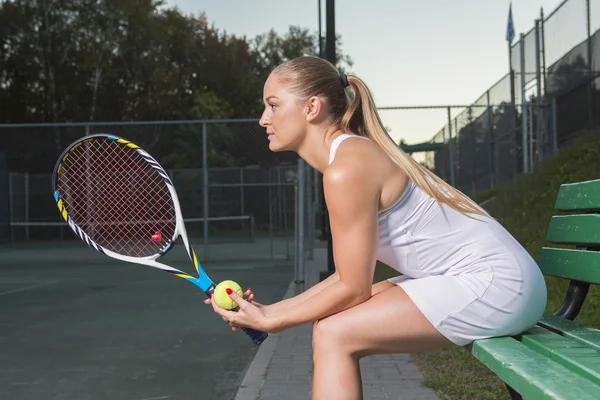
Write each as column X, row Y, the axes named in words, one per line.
column 202, row 281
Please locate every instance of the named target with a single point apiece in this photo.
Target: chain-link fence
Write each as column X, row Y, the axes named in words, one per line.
column 481, row 144
column 550, row 96
column 237, row 197
column 4, row 200
column 572, row 54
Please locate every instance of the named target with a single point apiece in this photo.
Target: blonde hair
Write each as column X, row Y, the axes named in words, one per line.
column 312, row 76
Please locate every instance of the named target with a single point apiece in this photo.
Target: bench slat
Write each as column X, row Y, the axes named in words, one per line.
column 530, row 373
column 573, row 330
column 574, row 229
column 578, row 196
column 570, row 263
column 573, row 355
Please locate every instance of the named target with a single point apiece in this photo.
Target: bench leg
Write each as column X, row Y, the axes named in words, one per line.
column 513, row 394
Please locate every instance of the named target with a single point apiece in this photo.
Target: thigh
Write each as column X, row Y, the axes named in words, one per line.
column 389, row 322
column 381, row 286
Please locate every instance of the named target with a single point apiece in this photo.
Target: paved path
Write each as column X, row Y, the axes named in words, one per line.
column 283, row 365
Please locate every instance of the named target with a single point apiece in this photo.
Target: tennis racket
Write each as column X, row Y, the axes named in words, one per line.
column 119, row 200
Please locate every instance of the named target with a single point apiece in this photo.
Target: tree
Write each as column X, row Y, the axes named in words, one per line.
column 272, row 49
column 135, row 60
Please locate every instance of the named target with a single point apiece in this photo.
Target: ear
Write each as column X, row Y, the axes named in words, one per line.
column 313, row 108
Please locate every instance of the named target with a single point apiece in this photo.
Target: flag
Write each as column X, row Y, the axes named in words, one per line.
column 510, row 28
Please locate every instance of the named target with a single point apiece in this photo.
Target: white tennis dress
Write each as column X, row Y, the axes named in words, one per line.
column 469, row 277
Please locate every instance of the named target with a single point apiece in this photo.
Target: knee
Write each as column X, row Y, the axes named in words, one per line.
column 328, row 334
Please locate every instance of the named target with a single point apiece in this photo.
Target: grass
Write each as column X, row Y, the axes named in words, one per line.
column 524, row 207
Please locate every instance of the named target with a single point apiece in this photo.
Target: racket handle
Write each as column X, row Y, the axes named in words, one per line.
column 257, row 336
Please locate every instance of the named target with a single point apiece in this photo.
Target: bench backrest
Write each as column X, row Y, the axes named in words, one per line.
column 580, row 228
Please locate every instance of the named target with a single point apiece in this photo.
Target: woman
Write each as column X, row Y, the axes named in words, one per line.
column 463, row 276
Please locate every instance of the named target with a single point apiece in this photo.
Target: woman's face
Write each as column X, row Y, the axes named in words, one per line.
column 284, row 116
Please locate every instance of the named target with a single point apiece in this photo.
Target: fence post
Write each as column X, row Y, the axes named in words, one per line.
column 530, row 110
column 283, row 209
column 5, row 199
column 458, row 150
column 590, row 85
column 205, row 187
column 554, row 126
column 300, row 218
column 451, row 148
column 542, row 36
column 310, row 221
column 523, row 107
column 242, row 205
column 270, row 215
column 471, row 132
column 538, row 77
column 316, row 206
column 27, row 205
column 492, row 158
column 11, row 201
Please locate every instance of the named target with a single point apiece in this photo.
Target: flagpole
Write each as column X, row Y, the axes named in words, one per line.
column 510, row 35
column 511, row 72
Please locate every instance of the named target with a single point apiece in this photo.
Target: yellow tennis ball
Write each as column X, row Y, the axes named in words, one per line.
column 222, row 298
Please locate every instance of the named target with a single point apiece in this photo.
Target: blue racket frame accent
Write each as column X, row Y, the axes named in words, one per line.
column 202, row 281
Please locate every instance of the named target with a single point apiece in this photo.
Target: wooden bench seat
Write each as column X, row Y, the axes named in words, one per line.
column 558, row 358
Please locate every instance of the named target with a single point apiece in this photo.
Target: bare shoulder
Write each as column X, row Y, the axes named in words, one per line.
column 358, row 160
column 362, row 171
column 357, row 172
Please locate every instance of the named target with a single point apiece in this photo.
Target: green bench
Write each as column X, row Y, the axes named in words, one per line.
column 558, row 358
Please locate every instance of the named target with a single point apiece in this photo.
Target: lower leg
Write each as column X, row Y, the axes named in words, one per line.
column 336, row 376
column 340, row 340
column 336, row 373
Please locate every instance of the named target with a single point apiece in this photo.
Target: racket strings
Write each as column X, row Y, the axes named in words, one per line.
column 125, row 202
column 117, row 197
column 129, row 200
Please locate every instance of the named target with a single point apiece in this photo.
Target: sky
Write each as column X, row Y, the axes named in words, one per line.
column 409, row 53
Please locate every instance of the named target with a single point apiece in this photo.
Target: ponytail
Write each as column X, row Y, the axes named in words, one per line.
column 313, row 76
column 362, row 118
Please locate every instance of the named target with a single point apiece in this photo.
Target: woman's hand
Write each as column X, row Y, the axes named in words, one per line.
column 249, row 297
column 247, row 315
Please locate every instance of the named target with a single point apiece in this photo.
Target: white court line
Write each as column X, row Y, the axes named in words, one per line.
column 157, row 398
column 27, row 288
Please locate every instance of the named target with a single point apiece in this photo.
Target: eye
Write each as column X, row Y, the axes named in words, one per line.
column 272, row 106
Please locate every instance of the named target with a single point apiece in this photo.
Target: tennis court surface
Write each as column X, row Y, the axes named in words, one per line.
column 75, row 324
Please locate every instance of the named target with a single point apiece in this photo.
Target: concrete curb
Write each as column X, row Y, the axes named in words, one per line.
column 257, row 371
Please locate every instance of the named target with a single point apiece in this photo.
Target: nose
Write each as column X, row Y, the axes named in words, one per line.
column 264, row 120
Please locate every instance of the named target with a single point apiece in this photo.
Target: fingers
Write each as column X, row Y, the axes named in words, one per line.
column 249, row 295
column 236, row 297
column 234, row 318
column 226, row 314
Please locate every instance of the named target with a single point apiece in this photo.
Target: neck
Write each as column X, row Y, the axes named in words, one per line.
column 316, row 146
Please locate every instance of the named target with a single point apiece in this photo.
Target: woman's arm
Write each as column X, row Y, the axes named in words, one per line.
column 352, row 194
column 352, row 199
column 293, row 301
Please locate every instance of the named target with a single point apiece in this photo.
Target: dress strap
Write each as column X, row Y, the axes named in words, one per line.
column 336, row 143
